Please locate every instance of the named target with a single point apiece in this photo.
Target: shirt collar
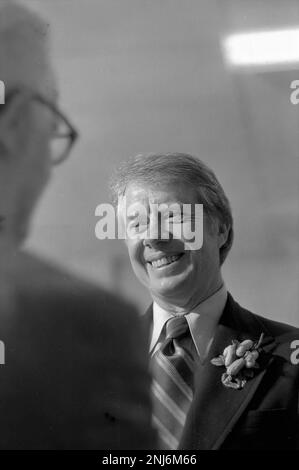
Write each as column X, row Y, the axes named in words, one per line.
column 202, row 321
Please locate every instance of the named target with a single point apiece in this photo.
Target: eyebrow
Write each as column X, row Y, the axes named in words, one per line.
column 180, row 204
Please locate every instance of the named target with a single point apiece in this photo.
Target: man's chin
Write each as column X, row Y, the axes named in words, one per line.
column 170, row 286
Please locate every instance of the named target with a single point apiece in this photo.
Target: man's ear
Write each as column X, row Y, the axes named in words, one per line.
column 223, row 231
column 13, row 117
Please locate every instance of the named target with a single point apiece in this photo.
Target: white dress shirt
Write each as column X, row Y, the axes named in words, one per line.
column 202, row 321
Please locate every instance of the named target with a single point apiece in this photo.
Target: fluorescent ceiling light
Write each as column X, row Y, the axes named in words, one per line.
column 263, row 48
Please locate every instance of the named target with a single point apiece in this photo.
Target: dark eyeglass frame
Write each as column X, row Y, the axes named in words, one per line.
column 72, row 134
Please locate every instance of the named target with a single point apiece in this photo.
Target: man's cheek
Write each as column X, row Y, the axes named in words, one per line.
column 135, row 255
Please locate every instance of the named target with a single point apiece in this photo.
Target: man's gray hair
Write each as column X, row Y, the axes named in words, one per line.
column 154, row 169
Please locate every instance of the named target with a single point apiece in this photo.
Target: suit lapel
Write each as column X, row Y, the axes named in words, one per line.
column 215, row 408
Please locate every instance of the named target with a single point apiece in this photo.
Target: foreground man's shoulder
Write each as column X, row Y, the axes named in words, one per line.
column 37, row 281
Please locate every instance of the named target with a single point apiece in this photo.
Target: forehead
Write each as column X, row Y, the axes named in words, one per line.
column 176, row 191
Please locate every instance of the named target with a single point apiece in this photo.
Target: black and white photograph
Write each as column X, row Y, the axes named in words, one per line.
column 149, row 228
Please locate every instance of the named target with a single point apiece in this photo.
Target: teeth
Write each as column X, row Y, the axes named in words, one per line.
column 164, row 261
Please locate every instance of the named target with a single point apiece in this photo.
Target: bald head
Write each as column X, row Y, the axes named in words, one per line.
column 24, row 49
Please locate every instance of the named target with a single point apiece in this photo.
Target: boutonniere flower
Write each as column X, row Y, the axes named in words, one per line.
column 240, row 361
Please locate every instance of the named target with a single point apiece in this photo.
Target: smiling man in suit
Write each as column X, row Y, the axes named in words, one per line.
column 73, row 363
column 251, row 400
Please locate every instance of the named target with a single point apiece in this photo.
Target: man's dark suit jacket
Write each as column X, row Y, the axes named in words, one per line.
column 262, row 415
column 75, row 372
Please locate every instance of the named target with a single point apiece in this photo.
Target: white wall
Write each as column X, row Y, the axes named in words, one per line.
column 143, row 75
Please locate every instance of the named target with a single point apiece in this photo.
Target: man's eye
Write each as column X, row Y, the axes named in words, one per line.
column 137, row 224
column 134, row 224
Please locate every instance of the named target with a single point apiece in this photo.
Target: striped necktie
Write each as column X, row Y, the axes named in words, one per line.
column 172, row 388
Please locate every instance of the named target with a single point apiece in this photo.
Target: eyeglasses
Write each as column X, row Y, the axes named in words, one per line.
column 65, row 134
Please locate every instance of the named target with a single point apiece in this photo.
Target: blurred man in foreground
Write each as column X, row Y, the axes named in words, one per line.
column 223, row 378
column 74, row 372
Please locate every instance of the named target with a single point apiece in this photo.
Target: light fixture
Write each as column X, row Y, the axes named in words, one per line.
column 262, row 48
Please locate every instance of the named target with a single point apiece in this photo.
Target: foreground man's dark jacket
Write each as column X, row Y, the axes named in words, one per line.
column 75, row 372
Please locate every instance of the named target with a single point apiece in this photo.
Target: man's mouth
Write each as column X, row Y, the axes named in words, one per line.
column 165, row 260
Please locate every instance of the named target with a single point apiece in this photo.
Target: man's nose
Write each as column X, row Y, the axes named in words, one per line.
column 155, row 243
column 157, row 233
